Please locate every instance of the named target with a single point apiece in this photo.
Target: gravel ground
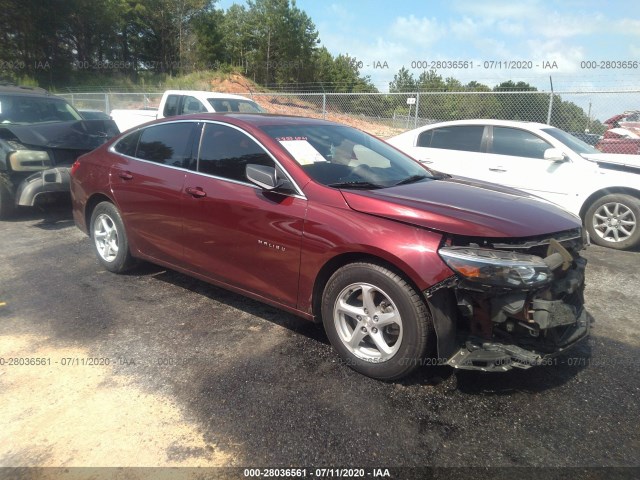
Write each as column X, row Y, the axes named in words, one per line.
column 154, row 368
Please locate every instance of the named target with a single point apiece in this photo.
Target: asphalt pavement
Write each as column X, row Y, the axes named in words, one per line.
column 209, row 378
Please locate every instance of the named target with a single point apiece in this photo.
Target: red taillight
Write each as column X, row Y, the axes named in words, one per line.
column 75, row 167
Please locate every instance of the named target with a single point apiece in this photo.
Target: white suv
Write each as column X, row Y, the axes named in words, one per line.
column 603, row 189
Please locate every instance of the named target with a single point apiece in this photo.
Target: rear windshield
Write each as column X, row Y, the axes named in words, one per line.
column 336, row 154
column 28, row 109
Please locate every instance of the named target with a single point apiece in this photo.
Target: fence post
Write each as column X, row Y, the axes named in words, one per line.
column 73, row 101
column 550, row 103
column 415, row 122
column 107, row 107
column 324, row 105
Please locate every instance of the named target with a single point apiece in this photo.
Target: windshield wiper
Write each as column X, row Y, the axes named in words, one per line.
column 411, row 179
column 356, row 185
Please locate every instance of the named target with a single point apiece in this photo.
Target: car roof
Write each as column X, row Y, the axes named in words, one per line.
column 205, row 94
column 254, row 119
column 488, row 121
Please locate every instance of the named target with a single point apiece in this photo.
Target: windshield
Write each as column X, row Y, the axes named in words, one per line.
column 344, row 157
column 234, row 105
column 28, row 109
column 570, row 141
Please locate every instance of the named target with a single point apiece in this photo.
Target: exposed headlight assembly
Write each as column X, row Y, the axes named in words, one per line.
column 29, row 160
column 496, row 267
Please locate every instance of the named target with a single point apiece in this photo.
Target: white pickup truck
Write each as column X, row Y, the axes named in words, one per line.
column 184, row 102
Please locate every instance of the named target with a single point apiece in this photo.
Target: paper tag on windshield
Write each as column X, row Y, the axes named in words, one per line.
column 303, row 151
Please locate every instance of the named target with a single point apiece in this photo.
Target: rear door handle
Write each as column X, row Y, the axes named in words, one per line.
column 125, row 175
column 498, row 169
column 196, row 192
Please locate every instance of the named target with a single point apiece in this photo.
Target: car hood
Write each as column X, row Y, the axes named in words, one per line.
column 464, row 207
column 74, row 135
column 632, row 161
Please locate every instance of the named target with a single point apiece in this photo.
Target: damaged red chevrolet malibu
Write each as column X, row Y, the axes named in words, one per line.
column 338, row 227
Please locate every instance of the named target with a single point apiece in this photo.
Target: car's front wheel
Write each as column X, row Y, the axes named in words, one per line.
column 110, row 239
column 613, row 221
column 376, row 320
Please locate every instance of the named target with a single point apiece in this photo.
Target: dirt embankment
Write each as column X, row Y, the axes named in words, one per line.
column 300, row 105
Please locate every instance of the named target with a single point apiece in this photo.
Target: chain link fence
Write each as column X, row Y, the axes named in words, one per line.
column 387, row 114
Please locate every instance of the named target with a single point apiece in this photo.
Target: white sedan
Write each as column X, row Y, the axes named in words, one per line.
column 603, row 189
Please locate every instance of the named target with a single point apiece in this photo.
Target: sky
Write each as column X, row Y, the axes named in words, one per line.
column 526, row 40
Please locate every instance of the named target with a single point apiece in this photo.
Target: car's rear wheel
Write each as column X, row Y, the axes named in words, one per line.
column 7, row 202
column 376, row 320
column 614, row 221
column 110, row 239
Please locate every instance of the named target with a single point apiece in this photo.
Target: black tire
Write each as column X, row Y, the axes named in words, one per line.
column 386, row 353
column 110, row 239
column 614, row 221
column 7, row 200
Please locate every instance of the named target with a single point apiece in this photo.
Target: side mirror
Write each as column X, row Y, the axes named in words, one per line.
column 267, row 178
column 554, row 155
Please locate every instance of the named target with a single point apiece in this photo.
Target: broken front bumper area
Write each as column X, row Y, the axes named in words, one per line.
column 51, row 181
column 483, row 324
column 489, row 356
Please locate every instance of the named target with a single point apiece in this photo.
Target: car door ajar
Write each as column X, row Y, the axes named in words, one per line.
column 147, row 182
column 235, row 232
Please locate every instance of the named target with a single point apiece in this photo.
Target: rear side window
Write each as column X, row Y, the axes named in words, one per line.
column 225, row 152
column 519, row 143
column 169, row 144
column 192, row 105
column 467, row 138
column 129, row 144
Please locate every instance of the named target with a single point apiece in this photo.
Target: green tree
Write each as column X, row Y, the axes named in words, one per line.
column 430, row 81
column 208, row 29
column 280, row 38
column 403, row 81
column 516, row 103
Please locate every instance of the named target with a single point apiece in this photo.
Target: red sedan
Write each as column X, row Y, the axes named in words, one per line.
column 338, row 227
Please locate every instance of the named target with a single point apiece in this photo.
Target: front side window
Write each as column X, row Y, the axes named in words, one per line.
column 225, row 153
column 466, row 138
column 168, row 144
column 518, row 143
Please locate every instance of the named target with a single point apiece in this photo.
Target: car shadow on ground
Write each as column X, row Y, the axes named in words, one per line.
column 53, row 216
column 536, row 379
column 252, row 307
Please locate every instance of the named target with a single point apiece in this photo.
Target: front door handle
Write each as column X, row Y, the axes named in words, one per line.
column 498, row 169
column 125, row 175
column 196, row 192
